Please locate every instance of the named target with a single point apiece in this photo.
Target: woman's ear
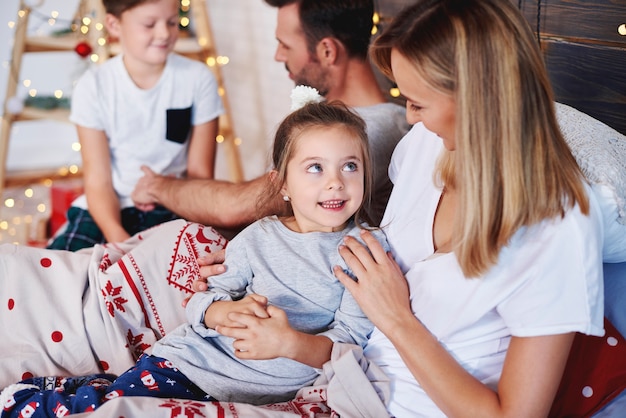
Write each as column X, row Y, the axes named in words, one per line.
column 112, row 24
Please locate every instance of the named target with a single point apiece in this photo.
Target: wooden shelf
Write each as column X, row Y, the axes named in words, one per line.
column 51, row 43
column 26, row 177
column 66, row 43
column 184, row 46
column 33, row 113
column 198, row 47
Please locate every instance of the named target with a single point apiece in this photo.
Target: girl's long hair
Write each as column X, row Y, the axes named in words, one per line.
column 316, row 115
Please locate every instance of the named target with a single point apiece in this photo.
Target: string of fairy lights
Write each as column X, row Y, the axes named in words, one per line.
column 80, row 27
column 15, row 226
column 83, row 25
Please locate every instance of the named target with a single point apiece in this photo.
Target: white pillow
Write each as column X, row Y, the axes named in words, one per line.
column 601, row 154
column 614, row 248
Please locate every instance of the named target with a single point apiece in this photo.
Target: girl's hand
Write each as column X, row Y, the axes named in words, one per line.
column 272, row 337
column 258, row 338
column 381, row 290
column 219, row 312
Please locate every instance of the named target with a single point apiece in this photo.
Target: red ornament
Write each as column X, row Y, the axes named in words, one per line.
column 83, row 49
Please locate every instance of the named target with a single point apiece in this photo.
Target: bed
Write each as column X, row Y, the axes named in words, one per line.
column 98, row 309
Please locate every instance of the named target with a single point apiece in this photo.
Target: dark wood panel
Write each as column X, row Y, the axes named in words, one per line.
column 585, row 54
column 590, row 78
column 582, row 21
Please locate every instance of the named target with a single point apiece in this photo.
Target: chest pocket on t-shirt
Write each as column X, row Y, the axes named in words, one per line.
column 178, row 124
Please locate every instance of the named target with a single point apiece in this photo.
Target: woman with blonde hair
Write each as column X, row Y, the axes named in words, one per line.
column 495, row 234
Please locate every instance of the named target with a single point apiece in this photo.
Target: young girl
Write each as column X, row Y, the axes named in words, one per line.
column 146, row 106
column 279, row 278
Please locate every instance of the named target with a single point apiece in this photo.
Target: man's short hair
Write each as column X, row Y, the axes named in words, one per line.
column 348, row 21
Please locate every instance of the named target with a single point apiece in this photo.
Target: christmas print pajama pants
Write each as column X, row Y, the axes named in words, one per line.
column 59, row 396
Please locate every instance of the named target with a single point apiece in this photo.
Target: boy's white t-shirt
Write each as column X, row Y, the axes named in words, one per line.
column 548, row 281
column 135, row 120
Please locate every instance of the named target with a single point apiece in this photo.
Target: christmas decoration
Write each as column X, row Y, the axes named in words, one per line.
column 83, row 49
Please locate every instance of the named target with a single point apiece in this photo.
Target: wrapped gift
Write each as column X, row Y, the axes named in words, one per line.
column 62, row 194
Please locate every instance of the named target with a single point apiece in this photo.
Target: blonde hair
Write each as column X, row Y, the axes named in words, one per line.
column 511, row 166
column 315, row 115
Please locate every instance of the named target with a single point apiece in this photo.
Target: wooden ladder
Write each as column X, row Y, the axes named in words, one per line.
column 199, row 46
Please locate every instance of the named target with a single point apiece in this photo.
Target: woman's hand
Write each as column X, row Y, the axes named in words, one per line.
column 381, row 290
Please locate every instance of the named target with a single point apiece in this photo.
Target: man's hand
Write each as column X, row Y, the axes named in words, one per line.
column 210, row 265
column 141, row 195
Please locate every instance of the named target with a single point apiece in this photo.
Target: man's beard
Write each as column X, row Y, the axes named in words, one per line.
column 313, row 76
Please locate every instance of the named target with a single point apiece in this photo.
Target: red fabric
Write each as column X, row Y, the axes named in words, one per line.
column 595, row 374
column 62, row 194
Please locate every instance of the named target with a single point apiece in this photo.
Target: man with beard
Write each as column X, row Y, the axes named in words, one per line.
column 324, row 45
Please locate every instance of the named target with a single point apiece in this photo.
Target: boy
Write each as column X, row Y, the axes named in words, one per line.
column 145, row 106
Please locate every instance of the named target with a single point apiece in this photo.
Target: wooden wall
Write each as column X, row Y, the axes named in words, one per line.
column 584, row 52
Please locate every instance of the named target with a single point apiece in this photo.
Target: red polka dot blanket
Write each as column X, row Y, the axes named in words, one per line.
column 594, row 375
column 98, row 309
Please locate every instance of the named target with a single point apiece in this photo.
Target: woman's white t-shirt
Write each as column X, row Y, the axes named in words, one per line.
column 548, row 280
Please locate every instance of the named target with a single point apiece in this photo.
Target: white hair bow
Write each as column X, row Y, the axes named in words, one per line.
column 301, row 95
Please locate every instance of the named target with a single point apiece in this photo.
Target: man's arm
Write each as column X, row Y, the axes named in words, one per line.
column 218, row 203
